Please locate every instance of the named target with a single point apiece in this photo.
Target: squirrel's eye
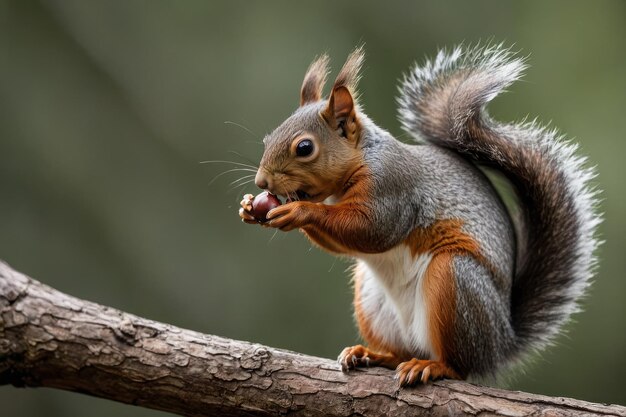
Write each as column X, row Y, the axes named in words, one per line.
column 305, row 147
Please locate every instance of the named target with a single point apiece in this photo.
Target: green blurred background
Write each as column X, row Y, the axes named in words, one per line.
column 107, row 108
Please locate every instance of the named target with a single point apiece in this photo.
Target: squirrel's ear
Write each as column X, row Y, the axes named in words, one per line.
column 340, row 106
column 314, row 80
column 340, row 113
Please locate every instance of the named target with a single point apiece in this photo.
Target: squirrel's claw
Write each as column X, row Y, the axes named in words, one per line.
column 287, row 217
column 247, row 217
column 355, row 357
column 415, row 371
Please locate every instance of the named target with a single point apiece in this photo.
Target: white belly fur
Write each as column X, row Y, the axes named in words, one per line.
column 393, row 299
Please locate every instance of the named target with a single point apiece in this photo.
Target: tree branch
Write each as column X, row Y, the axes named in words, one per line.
column 51, row 339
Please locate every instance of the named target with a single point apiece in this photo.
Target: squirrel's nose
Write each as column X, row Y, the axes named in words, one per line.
column 261, row 180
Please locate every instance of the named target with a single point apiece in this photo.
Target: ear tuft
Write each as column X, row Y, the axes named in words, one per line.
column 314, row 80
column 349, row 75
column 341, row 110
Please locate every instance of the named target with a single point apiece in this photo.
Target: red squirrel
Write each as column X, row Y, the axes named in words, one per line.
column 447, row 283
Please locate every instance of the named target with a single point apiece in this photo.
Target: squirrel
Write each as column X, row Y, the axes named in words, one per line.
column 448, row 282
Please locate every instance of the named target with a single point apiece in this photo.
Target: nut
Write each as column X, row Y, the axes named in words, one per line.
column 260, row 205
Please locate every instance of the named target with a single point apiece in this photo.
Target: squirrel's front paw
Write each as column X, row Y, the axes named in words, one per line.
column 289, row 216
column 353, row 356
column 360, row 356
column 246, row 208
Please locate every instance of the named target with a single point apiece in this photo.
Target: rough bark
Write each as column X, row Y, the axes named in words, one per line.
column 51, row 339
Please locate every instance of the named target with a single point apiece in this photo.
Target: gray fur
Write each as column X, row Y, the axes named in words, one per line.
column 482, row 322
column 417, row 185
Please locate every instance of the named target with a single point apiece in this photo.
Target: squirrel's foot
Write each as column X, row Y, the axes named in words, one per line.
column 416, row 370
column 359, row 356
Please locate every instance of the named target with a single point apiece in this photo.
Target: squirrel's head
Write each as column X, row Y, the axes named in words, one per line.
column 312, row 154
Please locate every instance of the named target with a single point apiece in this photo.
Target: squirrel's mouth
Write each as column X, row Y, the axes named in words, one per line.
column 303, row 195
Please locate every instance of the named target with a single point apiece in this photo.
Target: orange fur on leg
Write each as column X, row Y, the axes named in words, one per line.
column 439, row 293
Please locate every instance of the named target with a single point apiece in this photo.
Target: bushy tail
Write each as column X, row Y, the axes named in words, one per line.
column 443, row 102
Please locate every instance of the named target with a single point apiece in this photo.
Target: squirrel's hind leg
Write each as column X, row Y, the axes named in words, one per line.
column 417, row 370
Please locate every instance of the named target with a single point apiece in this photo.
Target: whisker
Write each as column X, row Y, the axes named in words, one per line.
column 333, row 265
column 229, row 162
column 237, row 198
column 294, row 196
column 245, row 177
column 229, row 122
column 241, row 185
column 228, row 171
column 273, row 236
column 243, row 157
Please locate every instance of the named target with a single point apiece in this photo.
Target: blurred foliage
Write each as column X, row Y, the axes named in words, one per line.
column 107, row 109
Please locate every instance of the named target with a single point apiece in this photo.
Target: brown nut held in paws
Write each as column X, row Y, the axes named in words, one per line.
column 260, row 205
